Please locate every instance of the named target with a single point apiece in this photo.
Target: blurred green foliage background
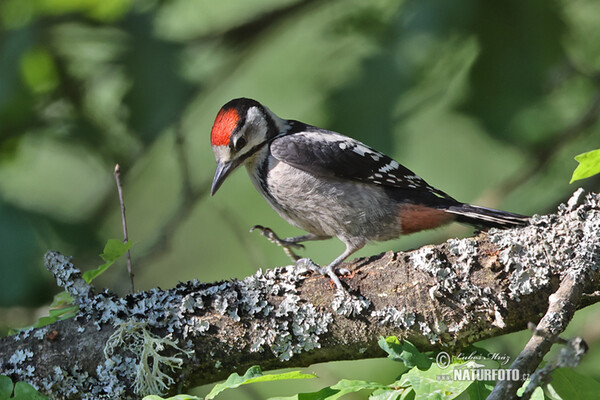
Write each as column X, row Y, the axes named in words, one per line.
column 489, row 101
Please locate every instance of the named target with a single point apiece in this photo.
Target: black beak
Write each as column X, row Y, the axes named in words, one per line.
column 224, row 168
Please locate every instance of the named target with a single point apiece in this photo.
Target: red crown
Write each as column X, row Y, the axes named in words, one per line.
column 225, row 124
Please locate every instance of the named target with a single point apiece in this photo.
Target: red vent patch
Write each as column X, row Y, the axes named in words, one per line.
column 224, row 125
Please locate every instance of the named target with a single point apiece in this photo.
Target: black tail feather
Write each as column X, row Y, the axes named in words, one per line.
column 487, row 217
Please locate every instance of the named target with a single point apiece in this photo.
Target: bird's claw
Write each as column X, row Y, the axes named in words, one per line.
column 309, row 265
column 273, row 238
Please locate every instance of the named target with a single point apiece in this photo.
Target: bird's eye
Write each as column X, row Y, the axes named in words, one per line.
column 239, row 144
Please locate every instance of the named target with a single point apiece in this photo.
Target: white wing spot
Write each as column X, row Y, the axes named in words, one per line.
column 389, row 167
column 361, row 149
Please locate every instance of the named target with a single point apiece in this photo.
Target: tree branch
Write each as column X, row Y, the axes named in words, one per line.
column 439, row 297
column 563, row 304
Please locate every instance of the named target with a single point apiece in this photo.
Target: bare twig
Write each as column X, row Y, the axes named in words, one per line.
column 488, row 285
column 569, row 356
column 124, row 220
column 563, row 304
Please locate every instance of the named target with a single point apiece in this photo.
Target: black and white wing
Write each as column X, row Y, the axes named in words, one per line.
column 328, row 153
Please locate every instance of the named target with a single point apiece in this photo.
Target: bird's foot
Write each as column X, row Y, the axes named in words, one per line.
column 286, row 245
column 309, row 265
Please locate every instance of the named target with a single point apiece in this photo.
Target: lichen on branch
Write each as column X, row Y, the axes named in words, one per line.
column 445, row 296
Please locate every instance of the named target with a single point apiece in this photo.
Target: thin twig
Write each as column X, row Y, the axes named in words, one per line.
column 563, row 304
column 570, row 356
column 124, row 220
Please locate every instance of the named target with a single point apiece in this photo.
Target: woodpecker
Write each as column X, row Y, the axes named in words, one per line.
column 331, row 185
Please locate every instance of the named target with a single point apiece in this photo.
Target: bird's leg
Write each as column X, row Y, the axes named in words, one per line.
column 330, row 270
column 287, row 243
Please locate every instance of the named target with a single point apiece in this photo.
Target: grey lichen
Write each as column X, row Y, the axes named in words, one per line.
column 552, row 242
column 270, row 304
column 67, row 276
column 148, row 363
column 349, row 305
column 20, row 356
column 66, row 383
column 40, row 333
column 465, row 253
column 531, row 256
column 287, row 337
column 429, row 260
column 426, row 331
column 397, row 318
column 293, row 326
column 18, row 364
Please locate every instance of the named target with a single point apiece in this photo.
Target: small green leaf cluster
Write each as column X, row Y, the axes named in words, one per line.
column 589, row 165
column 18, row 391
column 423, row 378
column 113, row 250
column 63, row 305
column 253, row 375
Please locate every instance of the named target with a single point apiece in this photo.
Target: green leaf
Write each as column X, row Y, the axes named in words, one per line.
column 61, row 308
column 57, row 315
column 112, row 251
column 428, row 385
column 404, row 351
column 571, row 385
column 6, row 387
column 388, row 394
column 538, row 394
column 61, row 299
column 178, row 397
column 346, row 386
column 336, row 391
column 322, row 394
column 589, row 165
column 24, row 391
column 254, row 374
column 479, row 390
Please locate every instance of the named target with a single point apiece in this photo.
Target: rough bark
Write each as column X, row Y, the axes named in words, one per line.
column 439, row 297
